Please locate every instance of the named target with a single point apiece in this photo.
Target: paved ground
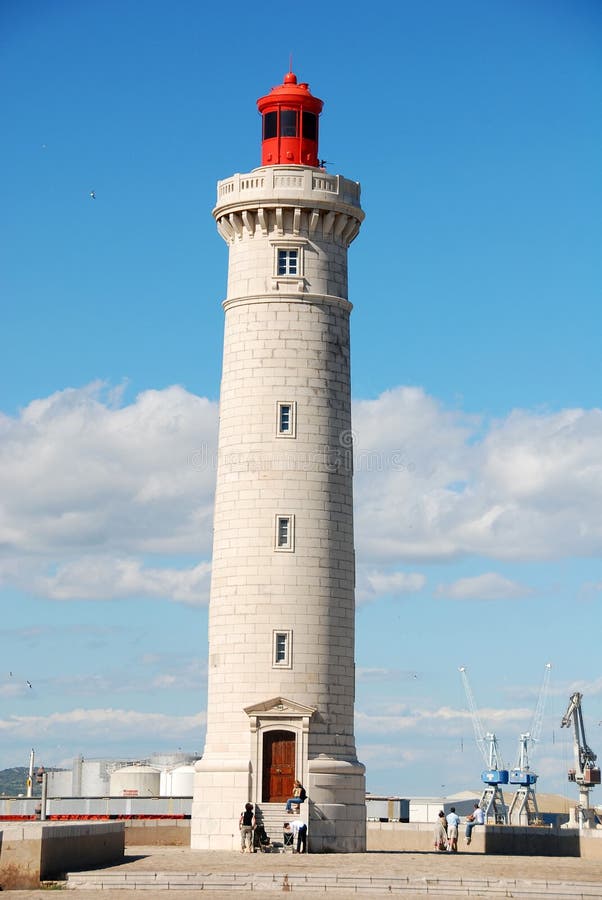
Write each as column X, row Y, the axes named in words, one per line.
column 411, row 875
column 182, row 859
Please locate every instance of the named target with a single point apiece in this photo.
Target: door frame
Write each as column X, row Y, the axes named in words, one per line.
column 278, row 714
column 265, row 771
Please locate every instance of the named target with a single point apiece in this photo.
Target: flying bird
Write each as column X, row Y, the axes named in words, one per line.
column 29, row 684
column 92, row 195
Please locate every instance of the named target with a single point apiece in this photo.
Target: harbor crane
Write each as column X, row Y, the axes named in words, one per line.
column 585, row 774
column 492, row 799
column 523, row 808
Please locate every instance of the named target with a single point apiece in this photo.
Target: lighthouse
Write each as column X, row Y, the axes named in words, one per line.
column 281, row 671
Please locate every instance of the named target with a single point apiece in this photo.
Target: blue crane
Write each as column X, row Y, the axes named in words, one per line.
column 492, row 799
column 523, row 808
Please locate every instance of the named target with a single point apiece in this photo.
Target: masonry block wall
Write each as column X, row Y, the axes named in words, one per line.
column 281, row 629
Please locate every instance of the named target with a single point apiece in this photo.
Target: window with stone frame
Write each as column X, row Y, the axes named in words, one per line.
column 282, row 649
column 288, row 262
column 286, row 416
column 284, row 538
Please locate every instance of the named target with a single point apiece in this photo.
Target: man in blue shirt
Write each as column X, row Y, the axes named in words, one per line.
column 453, row 821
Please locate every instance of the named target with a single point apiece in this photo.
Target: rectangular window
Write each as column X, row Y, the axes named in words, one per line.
column 283, row 532
column 288, row 262
column 288, row 123
column 284, row 538
column 282, row 656
column 310, row 126
column 285, row 419
column 281, row 647
column 270, row 125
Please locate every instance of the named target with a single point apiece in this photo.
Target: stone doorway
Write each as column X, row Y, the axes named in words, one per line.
column 279, row 753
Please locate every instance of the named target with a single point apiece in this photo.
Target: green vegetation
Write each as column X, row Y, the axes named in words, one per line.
column 14, row 782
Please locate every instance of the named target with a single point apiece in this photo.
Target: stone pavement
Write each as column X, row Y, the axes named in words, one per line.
column 195, row 873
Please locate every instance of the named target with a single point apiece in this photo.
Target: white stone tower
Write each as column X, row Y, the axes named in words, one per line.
column 281, row 615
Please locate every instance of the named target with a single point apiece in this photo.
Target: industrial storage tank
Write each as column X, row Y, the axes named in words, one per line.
column 177, row 782
column 91, row 777
column 135, row 781
column 171, row 760
column 59, row 783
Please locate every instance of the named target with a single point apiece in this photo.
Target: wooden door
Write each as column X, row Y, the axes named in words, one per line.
column 278, row 766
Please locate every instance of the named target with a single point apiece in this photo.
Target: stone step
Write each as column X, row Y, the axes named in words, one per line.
column 361, row 885
column 273, row 816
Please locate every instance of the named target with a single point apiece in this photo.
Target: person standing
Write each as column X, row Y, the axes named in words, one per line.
column 477, row 818
column 441, row 832
column 453, row 821
column 300, row 829
column 246, row 823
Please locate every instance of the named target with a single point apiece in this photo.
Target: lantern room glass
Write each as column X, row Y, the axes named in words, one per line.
column 288, row 123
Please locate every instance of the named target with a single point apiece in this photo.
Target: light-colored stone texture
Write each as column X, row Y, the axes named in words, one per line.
column 286, row 340
column 411, row 874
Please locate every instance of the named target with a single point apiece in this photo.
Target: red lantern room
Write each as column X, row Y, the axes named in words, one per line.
column 290, row 124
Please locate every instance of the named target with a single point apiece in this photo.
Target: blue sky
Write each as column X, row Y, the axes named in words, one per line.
column 475, row 132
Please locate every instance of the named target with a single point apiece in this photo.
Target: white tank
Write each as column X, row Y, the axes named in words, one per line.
column 91, row 777
column 59, row 783
column 135, row 781
column 171, row 760
column 177, row 782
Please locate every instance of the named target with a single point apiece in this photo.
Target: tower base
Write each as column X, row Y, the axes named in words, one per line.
column 335, row 810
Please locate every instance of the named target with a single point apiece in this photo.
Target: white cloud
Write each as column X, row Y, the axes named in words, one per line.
column 88, row 488
column 92, row 492
column 489, row 586
column 589, row 688
column 120, row 733
column 442, row 485
column 79, row 476
column 100, row 578
column 393, row 718
column 13, row 689
column 374, row 583
column 90, row 723
column 388, row 756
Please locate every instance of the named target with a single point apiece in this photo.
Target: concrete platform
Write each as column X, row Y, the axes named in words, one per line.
column 31, row 852
column 223, row 874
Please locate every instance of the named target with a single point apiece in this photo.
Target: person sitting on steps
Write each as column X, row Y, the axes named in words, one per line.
column 298, row 797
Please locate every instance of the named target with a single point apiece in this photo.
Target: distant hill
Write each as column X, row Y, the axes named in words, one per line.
column 14, row 782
